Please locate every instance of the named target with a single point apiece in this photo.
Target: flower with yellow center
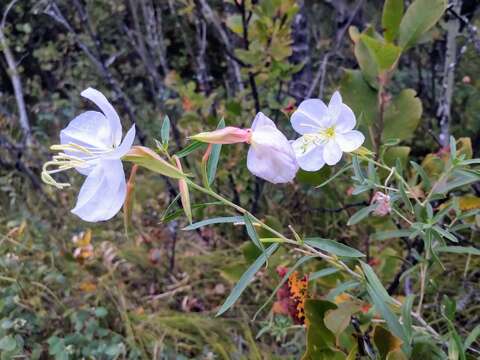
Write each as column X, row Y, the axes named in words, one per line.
column 327, row 132
column 92, row 144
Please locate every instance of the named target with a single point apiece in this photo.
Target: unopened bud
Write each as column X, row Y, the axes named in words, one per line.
column 383, row 204
column 227, row 135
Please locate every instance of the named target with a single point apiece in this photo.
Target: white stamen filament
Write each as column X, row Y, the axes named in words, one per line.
column 63, row 161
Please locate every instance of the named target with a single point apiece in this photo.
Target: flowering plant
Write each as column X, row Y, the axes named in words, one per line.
column 418, row 204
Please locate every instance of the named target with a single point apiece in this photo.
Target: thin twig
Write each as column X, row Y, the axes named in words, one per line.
column 15, row 78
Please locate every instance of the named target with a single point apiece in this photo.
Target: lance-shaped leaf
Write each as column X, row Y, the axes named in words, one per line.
column 165, row 132
column 252, row 233
column 194, row 145
column 214, row 157
column 333, row 247
column 246, row 279
column 184, row 193
column 216, row 220
column 149, row 159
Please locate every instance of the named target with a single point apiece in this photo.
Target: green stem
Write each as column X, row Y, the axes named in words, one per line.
column 332, row 260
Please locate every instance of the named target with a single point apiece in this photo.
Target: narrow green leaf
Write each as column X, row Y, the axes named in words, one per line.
column 165, row 131
column 407, row 315
column 169, row 207
column 459, row 178
column 321, row 273
column 474, row 334
column 246, row 279
column 422, row 173
column 252, row 233
column 337, row 174
column 356, row 168
column 405, row 198
column 190, row 148
column 391, row 18
column 471, row 162
column 212, row 162
column 361, row 214
column 446, row 234
column 177, row 213
column 387, row 314
column 375, row 282
column 217, row 220
column 345, row 286
column 333, row 247
column 458, row 250
column 453, row 148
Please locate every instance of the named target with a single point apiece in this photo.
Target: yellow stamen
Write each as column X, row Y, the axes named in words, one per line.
column 329, row 132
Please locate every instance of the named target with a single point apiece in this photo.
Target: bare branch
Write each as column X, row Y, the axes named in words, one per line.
column 320, row 76
column 15, row 78
column 212, row 18
column 445, row 102
column 94, row 56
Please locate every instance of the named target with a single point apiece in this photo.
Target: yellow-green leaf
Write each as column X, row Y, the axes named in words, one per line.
column 320, row 340
column 359, row 96
column 402, row 115
column 384, row 54
column 391, row 17
column 149, row 159
column 385, row 341
column 420, row 17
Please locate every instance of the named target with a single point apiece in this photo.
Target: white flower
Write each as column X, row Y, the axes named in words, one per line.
column 270, row 156
column 92, row 144
column 327, row 132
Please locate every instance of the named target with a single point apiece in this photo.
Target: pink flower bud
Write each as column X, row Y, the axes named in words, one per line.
column 227, row 135
column 383, row 204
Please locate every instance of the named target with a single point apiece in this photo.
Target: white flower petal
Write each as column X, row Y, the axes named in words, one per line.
column 309, row 156
column 332, row 153
column 346, row 120
column 335, row 105
column 103, row 192
column 268, row 164
column 101, row 101
column 89, row 129
column 350, row 141
column 309, row 117
column 124, row 146
column 271, row 156
column 262, row 120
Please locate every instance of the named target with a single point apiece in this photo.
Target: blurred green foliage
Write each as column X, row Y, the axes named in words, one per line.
column 154, row 293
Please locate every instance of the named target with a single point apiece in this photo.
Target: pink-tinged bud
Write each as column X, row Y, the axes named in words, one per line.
column 184, row 193
column 383, row 204
column 227, row 135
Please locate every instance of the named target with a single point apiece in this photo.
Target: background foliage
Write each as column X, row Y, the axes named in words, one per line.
column 71, row 289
